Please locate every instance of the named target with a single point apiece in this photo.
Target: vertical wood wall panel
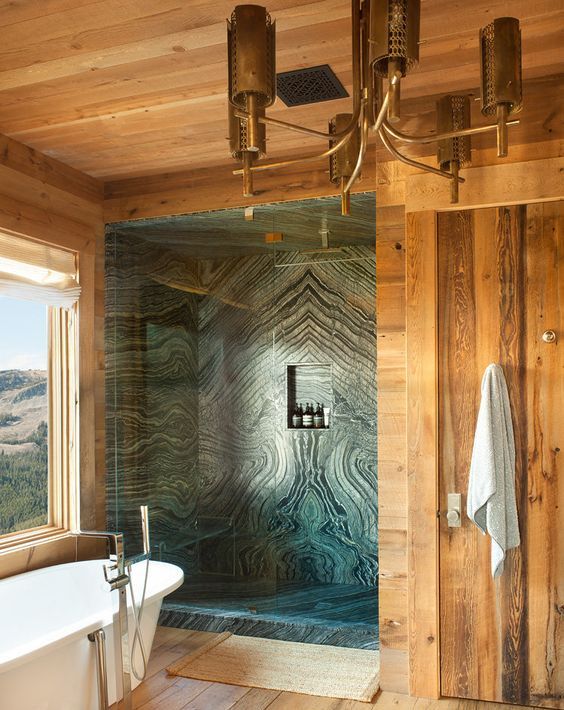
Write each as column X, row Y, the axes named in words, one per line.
column 500, row 276
column 545, row 495
column 392, row 474
column 421, row 424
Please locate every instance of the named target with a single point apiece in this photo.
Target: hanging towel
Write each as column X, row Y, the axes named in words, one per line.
column 491, row 501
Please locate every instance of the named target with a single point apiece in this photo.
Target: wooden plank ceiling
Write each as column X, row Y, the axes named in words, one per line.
column 124, row 88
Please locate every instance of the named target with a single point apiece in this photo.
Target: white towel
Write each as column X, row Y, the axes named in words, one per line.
column 491, row 501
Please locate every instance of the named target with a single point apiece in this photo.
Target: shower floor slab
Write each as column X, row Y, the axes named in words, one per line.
column 335, row 614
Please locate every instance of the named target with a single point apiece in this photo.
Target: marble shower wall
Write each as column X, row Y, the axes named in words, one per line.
column 201, row 393
column 303, row 504
column 151, row 335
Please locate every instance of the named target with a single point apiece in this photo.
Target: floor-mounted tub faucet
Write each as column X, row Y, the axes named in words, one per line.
column 116, row 576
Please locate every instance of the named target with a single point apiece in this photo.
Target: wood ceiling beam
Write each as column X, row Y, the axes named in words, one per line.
column 27, row 161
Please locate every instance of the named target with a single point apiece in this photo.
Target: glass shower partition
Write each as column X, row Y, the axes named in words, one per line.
column 189, row 416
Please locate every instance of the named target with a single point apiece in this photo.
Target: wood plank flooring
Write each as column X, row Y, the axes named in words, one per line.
column 160, row 691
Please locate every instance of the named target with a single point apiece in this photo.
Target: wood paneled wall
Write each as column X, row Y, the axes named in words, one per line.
column 46, row 200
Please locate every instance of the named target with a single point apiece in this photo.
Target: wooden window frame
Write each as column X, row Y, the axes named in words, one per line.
column 63, row 437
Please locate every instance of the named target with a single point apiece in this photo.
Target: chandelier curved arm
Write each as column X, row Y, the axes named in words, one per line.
column 302, row 129
column 414, row 163
column 406, row 138
column 364, row 137
column 296, row 161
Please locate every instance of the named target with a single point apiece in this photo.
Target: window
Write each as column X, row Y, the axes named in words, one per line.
column 38, row 389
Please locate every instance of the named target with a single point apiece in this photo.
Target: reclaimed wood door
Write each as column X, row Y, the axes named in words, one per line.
column 500, row 287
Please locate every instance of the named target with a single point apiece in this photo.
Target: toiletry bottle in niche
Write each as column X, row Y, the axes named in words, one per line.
column 297, row 417
column 318, row 417
column 308, row 416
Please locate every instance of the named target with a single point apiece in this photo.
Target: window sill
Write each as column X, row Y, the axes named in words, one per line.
column 14, row 542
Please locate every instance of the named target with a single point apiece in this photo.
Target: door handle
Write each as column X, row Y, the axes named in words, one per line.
column 454, row 501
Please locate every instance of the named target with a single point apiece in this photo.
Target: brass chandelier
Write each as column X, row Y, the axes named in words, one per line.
column 385, row 48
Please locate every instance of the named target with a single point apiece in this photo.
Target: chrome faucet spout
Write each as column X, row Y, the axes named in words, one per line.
column 114, row 541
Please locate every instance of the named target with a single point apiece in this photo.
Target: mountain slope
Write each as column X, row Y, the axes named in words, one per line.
column 23, row 449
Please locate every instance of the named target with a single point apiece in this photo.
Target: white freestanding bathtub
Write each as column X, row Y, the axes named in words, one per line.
column 46, row 659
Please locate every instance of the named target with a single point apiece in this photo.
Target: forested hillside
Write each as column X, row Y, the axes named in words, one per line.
column 23, row 449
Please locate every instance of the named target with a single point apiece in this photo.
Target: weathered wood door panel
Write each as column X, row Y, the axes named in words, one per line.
column 501, row 285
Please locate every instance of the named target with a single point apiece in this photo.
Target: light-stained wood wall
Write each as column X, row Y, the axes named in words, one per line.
column 44, row 199
column 392, row 484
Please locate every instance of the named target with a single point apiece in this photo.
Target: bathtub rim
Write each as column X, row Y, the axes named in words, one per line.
column 43, row 644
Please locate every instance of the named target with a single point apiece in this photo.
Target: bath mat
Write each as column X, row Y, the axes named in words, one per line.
column 311, row 669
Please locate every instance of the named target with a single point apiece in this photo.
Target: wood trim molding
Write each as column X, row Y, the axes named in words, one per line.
column 422, row 461
column 217, row 188
column 489, row 186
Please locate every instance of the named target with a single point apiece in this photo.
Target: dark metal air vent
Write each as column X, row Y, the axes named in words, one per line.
column 309, row 86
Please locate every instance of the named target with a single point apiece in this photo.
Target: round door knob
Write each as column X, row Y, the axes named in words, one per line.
column 453, row 517
column 549, row 336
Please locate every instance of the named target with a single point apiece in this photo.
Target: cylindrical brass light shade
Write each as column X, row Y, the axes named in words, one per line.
column 394, row 43
column 342, row 163
column 453, row 114
column 394, row 34
column 238, row 135
column 500, row 43
column 252, row 66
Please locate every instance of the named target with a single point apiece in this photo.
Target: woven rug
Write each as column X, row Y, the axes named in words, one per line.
column 311, row 669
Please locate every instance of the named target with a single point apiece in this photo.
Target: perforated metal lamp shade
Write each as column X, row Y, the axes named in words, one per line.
column 453, row 114
column 252, row 65
column 500, row 54
column 394, row 43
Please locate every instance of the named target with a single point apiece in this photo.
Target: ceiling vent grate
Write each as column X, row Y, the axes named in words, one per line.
column 309, row 86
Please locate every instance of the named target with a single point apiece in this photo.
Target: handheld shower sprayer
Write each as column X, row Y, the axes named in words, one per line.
column 145, row 528
column 138, row 612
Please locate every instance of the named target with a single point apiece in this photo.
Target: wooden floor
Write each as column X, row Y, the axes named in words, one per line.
column 160, row 691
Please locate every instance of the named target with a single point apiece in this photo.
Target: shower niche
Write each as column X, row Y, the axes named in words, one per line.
column 309, row 383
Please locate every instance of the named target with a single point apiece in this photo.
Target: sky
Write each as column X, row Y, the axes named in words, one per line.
column 23, row 335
